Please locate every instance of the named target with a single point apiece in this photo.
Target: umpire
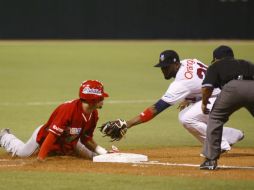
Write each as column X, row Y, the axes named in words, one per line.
column 236, row 79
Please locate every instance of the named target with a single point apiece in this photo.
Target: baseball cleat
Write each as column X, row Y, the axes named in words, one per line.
column 241, row 137
column 3, row 132
column 208, row 164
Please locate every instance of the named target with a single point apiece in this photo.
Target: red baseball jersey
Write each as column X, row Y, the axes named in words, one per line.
column 68, row 123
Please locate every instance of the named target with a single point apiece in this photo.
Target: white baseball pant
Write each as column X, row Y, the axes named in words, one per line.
column 18, row 148
column 193, row 119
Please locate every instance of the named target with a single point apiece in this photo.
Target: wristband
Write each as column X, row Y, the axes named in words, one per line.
column 146, row 115
column 100, row 150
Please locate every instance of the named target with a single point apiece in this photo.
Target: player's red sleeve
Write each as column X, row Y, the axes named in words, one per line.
column 46, row 145
column 60, row 118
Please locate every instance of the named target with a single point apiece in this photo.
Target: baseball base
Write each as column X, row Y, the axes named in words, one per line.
column 121, row 158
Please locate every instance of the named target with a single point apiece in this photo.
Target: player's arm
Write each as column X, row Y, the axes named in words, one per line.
column 60, row 118
column 148, row 114
column 209, row 83
column 206, row 94
column 94, row 147
column 46, row 145
column 87, row 139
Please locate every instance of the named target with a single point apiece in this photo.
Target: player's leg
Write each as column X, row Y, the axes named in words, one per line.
column 227, row 103
column 250, row 108
column 17, row 147
column 232, row 135
column 235, row 94
column 193, row 119
column 249, row 105
column 83, row 151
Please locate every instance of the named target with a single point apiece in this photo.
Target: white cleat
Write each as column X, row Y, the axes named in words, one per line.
column 241, row 137
column 4, row 132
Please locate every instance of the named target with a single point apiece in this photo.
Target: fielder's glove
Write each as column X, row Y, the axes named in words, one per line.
column 114, row 129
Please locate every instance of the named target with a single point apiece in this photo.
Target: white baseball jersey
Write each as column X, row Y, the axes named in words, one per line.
column 188, row 82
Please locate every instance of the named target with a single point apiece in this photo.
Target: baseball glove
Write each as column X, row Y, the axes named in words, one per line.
column 114, row 129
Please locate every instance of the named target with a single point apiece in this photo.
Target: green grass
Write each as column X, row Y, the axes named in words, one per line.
column 37, row 75
column 72, row 181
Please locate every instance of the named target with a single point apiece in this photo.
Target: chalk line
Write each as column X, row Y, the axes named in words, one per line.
column 48, row 103
column 190, row 165
column 136, row 164
column 8, row 163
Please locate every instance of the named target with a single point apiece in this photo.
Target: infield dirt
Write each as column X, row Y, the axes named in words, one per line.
column 239, row 157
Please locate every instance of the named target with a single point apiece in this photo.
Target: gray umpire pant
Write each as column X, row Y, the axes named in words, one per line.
column 234, row 95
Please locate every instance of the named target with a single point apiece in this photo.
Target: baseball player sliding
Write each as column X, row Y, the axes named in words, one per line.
column 186, row 88
column 69, row 130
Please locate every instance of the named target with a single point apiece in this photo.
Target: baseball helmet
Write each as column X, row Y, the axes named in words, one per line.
column 92, row 91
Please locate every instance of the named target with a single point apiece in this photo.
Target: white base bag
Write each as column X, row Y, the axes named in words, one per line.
column 121, row 158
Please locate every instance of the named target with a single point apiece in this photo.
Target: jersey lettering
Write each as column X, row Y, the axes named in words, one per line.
column 57, row 129
column 201, row 71
column 189, row 73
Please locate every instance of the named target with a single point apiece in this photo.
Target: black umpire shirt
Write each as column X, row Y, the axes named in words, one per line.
column 227, row 69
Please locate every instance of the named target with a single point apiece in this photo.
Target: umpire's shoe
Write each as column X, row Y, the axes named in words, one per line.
column 208, row 164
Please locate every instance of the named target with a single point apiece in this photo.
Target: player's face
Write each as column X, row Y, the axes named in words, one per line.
column 99, row 104
column 169, row 71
